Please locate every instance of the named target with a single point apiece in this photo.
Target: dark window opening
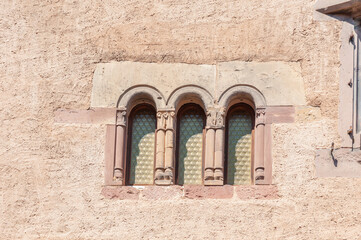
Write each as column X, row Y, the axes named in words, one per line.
column 141, row 146
column 239, row 145
column 190, row 139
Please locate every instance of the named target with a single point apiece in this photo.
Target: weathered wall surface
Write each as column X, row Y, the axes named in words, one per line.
column 279, row 82
column 51, row 174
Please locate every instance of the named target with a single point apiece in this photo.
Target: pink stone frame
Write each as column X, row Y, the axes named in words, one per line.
column 115, row 149
column 262, row 171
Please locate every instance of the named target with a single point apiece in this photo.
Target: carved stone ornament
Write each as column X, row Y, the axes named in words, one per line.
column 165, row 119
column 121, row 117
column 220, row 118
column 260, row 116
column 211, row 117
column 170, row 120
column 260, row 111
column 215, row 118
column 164, row 177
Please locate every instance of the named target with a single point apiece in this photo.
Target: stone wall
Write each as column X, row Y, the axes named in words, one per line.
column 279, row 82
column 52, row 173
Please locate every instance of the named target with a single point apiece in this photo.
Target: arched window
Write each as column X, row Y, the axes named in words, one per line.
column 190, row 126
column 239, row 145
column 141, row 145
column 188, row 140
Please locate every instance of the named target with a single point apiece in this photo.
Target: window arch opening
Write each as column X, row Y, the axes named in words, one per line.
column 141, row 145
column 190, row 139
column 239, row 147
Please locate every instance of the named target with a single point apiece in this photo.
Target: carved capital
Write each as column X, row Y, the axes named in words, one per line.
column 220, row 118
column 121, row 117
column 165, row 119
column 260, row 116
column 260, row 111
column 215, row 118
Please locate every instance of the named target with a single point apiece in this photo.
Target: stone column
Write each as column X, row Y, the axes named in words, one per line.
column 259, row 148
column 218, row 156
column 213, row 169
column 164, row 149
column 120, row 146
column 219, row 148
column 159, row 156
column 209, row 155
column 169, row 153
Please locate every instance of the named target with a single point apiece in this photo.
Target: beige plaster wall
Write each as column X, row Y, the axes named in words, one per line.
column 51, row 174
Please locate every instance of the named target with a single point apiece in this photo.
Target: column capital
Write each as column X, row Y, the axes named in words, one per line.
column 215, row 118
column 260, row 111
column 121, row 117
column 165, row 119
column 260, row 116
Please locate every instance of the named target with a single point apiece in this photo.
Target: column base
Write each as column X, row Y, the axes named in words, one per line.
column 213, row 183
column 118, row 177
column 116, row 183
column 163, row 182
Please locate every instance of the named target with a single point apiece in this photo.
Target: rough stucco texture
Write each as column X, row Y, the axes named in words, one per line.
column 51, row 175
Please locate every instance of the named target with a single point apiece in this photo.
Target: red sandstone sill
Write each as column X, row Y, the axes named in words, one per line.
column 162, row 192
column 265, row 192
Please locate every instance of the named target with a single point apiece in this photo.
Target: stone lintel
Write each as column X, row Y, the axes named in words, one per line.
column 280, row 114
column 167, row 80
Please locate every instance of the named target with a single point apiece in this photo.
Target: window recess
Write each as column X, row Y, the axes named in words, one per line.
column 141, row 142
column 239, row 145
column 190, row 145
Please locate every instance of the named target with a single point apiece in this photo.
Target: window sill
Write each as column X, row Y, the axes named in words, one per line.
column 190, row 192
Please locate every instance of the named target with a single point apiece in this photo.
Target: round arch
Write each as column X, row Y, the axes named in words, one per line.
column 245, row 92
column 141, row 94
column 190, row 94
